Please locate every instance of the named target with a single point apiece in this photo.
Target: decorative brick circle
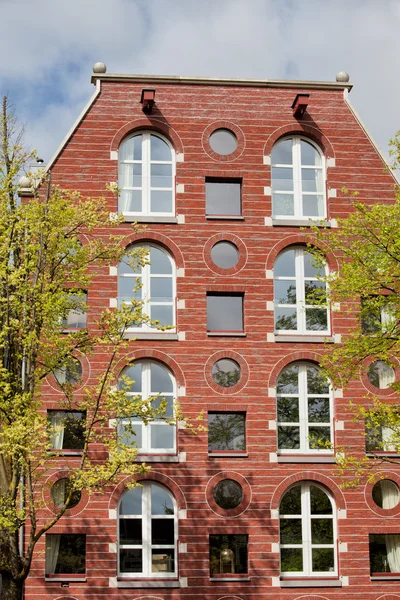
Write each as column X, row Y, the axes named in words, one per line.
column 85, row 373
column 244, row 372
column 46, row 492
column 368, row 385
column 232, row 512
column 382, row 512
column 223, row 125
column 225, row 237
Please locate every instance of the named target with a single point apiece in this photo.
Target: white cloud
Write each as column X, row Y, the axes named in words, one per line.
column 52, row 46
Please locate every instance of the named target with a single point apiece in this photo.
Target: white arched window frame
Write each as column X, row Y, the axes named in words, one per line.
column 298, row 177
column 308, row 532
column 154, row 284
column 149, row 379
column 148, row 532
column 295, row 282
column 304, row 410
column 146, row 175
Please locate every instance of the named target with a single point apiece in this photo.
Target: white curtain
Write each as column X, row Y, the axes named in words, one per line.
column 58, row 492
column 393, row 552
column 390, row 494
column 387, row 433
column 57, row 421
column 385, row 374
column 52, row 550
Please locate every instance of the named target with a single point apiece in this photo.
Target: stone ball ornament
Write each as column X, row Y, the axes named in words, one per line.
column 342, row 77
column 99, row 67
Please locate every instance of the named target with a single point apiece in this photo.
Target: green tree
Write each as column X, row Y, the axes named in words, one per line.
column 367, row 286
column 43, row 269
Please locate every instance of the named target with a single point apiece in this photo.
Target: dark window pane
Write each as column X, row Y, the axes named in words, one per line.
column 322, row 531
column 291, row 502
column 131, row 502
column 226, row 431
column 225, row 255
column 223, row 198
column 162, row 532
column 288, row 410
column 285, row 264
column 285, row 292
column 226, row 372
column 130, row 560
column 70, row 550
column 316, row 382
column 320, row 503
column 288, row 438
column 285, row 319
column 291, row 560
column 68, row 374
column 318, row 410
column 228, row 554
column 228, row 493
column 380, row 374
column 316, row 319
column 311, row 269
column 67, row 429
column 323, row 560
column 161, row 501
column 383, row 550
column 288, row 381
column 318, row 436
column 223, row 141
column 315, row 293
column 290, row 531
column 282, row 152
column 130, row 531
column 224, row 312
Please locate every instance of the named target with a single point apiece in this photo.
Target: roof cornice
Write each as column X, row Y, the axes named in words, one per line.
column 260, row 83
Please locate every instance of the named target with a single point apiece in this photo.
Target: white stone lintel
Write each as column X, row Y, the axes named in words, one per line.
column 113, row 302
column 113, row 154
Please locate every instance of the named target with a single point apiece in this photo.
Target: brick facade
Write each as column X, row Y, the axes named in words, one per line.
column 186, row 113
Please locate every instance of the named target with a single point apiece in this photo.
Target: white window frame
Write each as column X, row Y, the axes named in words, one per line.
column 297, row 179
column 144, row 279
column 303, row 422
column 148, row 393
column 146, row 545
column 146, row 163
column 300, row 281
column 307, row 546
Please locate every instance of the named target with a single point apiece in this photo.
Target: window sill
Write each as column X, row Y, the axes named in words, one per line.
column 226, row 334
column 306, row 458
column 382, row 454
column 308, row 582
column 301, row 223
column 158, row 458
column 56, row 577
column 224, row 218
column 73, row 329
column 145, row 583
column 61, row 452
column 162, row 335
column 220, row 578
column 305, row 338
column 148, row 219
column 385, row 577
column 227, row 454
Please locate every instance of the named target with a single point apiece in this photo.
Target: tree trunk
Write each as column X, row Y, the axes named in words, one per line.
column 10, row 589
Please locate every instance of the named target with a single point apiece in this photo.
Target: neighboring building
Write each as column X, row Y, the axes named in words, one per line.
column 227, row 175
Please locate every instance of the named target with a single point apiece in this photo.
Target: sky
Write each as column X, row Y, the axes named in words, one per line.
column 49, row 47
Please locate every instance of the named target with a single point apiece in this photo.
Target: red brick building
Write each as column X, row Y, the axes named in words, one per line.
column 226, row 174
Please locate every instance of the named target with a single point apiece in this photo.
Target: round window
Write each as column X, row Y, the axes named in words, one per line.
column 69, row 374
column 60, row 490
column 225, row 255
column 228, row 494
column 223, row 141
column 380, row 374
column 226, row 372
column 385, row 494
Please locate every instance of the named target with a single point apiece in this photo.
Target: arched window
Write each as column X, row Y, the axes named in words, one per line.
column 146, row 175
column 149, row 379
column 307, row 532
column 298, row 179
column 304, row 410
column 300, row 299
column 147, row 532
column 152, row 283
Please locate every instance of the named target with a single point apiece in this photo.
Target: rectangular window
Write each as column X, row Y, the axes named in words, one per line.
column 228, row 554
column 224, row 312
column 226, row 432
column 384, row 554
column 223, row 197
column 65, row 553
column 66, row 429
column 381, row 439
column 76, row 317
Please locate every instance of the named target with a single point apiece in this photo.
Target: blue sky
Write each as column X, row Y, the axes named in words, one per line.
column 48, row 49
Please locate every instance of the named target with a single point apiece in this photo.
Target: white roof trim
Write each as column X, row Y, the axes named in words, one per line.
column 74, row 127
column 369, row 136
